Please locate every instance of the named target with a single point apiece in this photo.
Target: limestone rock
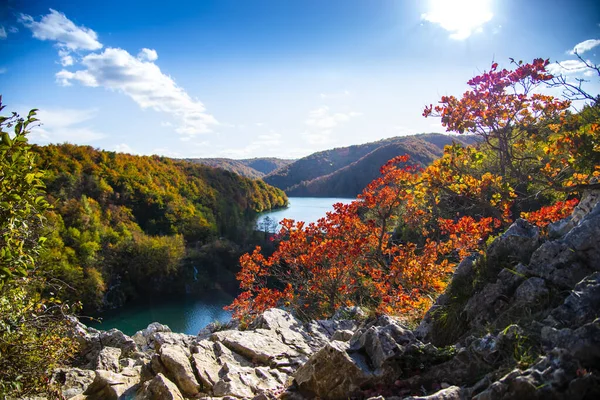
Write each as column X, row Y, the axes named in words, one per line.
column 246, row 382
column 159, row 388
column 450, row 393
column 108, row 359
column 178, row 367
column 333, row 373
column 73, row 381
column 517, row 244
column 580, row 307
column 259, row 346
column 112, row 386
column 141, row 338
column 206, row 364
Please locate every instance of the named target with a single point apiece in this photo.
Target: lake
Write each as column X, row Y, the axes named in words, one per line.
column 307, row 209
column 189, row 314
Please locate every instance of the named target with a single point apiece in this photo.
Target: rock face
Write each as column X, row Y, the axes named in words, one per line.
column 521, row 322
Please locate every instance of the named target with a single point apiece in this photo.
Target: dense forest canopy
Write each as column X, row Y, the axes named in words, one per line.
column 129, row 221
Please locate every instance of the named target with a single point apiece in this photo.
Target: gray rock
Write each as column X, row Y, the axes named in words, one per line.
column 72, row 381
column 582, row 343
column 142, row 337
column 108, row 359
column 332, row 373
column 450, row 393
column 342, row 335
column 517, row 244
column 112, row 386
column 580, row 307
column 179, row 369
column 206, row 364
column 532, row 291
column 260, row 346
column 159, row 388
column 247, row 382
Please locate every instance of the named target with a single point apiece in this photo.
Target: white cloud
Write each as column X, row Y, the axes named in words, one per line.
column 66, row 59
column 143, row 81
column 147, row 55
column 3, row 34
column 584, row 46
column 459, row 17
column 568, row 67
column 336, row 95
column 65, row 125
column 124, row 148
column 57, row 27
column 13, row 29
column 322, row 122
column 322, row 118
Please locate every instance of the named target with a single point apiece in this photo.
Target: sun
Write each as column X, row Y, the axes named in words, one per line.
column 459, row 17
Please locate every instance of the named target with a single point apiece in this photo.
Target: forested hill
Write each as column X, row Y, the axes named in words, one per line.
column 130, row 222
column 345, row 171
column 251, row 168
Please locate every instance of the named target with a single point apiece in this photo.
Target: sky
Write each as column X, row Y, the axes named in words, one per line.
column 266, row 78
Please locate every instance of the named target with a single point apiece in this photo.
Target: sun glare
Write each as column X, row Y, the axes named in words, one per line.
column 459, row 17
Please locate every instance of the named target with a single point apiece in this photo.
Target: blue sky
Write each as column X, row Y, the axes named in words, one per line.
column 251, row 78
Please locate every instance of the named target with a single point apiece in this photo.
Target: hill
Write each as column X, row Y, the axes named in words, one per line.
column 253, row 168
column 345, row 171
column 126, row 226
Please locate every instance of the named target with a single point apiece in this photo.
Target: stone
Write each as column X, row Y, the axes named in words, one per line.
column 159, row 388
column 580, row 307
column 515, row 245
column 108, row 359
column 259, row 346
column 558, row 264
column 382, row 341
column 584, row 239
column 206, row 364
column 582, row 343
column 116, row 338
column 73, row 381
column 141, row 337
column 342, row 335
column 247, row 382
column 179, row 369
column 333, row 373
column 532, row 292
column 109, row 385
column 449, row 393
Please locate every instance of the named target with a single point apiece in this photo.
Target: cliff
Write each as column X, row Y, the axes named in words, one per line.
column 520, row 322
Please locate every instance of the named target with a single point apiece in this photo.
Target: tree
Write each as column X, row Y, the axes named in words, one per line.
column 34, row 329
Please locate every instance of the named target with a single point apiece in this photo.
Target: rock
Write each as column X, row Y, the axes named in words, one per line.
column 157, row 339
column 584, row 239
column 557, row 376
column 517, row 244
column 580, row 307
column 73, row 381
column 259, row 346
column 333, row 373
column 342, row 335
column 532, row 292
column 582, row 343
column 247, row 382
column 290, row 330
column 179, row 369
column 159, row 388
column 112, row 386
column 384, row 340
column 557, row 263
column 350, row 313
column 141, row 337
column 206, row 364
column 116, row 338
column 108, row 359
column 450, row 393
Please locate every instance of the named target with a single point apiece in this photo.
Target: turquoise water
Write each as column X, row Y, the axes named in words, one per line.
column 189, row 314
column 185, row 315
column 307, row 209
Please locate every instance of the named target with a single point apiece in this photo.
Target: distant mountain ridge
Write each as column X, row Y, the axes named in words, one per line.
column 253, row 168
column 345, row 171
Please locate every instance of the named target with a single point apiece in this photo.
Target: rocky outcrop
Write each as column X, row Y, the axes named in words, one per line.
column 521, row 321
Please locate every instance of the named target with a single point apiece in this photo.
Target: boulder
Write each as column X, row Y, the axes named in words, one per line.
column 159, row 388
column 582, row 343
column 580, row 307
column 515, row 245
column 112, row 386
column 73, row 381
column 333, row 372
column 260, row 346
column 141, row 338
column 179, row 369
column 108, row 359
column 206, row 364
column 246, row 382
